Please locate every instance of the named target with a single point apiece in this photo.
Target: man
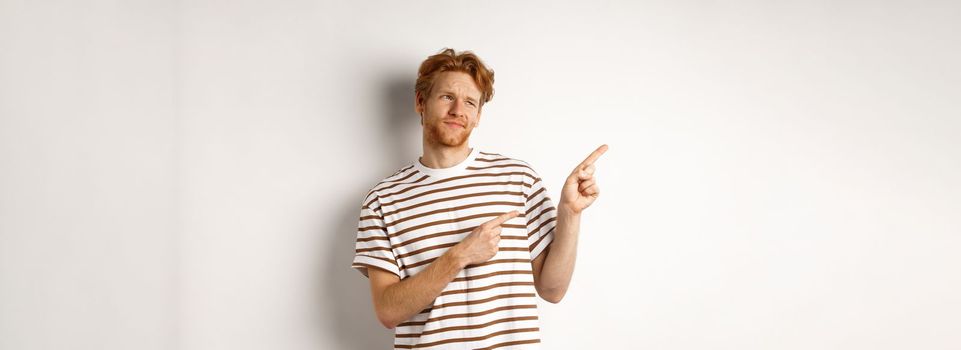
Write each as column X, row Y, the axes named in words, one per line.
column 456, row 243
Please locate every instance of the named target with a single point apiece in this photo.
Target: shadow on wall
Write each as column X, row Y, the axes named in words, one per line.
column 351, row 315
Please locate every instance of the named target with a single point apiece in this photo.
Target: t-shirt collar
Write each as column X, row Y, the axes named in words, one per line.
column 455, row 170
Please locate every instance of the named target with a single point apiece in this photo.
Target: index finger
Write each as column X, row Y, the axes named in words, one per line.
column 501, row 219
column 594, row 155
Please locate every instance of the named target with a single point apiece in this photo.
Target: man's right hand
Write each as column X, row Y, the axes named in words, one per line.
column 482, row 243
column 396, row 300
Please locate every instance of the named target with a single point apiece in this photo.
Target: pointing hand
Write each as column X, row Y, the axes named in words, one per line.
column 482, row 243
column 580, row 189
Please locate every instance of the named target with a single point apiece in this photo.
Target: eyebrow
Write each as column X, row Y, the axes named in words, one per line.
column 452, row 93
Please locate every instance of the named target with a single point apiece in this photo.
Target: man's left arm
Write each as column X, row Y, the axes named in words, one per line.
column 554, row 267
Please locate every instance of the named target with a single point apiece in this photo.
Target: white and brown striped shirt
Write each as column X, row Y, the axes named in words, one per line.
column 415, row 215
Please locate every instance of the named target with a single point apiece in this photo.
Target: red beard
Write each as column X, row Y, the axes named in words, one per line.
column 440, row 133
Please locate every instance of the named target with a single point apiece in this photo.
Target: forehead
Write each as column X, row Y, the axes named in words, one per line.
column 456, row 82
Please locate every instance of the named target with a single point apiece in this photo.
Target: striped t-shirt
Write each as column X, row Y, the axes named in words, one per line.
column 412, row 217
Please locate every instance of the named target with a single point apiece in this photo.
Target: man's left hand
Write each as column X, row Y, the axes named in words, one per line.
column 580, row 189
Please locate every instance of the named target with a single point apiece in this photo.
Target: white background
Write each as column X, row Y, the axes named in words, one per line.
column 188, row 175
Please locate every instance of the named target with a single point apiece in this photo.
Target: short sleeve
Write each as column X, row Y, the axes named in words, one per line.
column 373, row 248
column 541, row 216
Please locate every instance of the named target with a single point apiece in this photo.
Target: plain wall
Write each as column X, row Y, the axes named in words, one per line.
column 89, row 169
column 188, row 174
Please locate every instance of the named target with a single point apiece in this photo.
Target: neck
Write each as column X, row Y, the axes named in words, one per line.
column 440, row 156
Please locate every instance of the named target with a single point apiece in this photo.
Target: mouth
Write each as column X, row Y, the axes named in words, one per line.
column 454, row 125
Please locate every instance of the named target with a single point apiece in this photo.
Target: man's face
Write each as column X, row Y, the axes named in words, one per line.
column 451, row 111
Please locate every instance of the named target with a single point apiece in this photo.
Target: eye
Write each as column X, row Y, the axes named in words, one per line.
column 447, row 96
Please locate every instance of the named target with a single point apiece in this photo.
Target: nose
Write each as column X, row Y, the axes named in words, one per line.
column 458, row 109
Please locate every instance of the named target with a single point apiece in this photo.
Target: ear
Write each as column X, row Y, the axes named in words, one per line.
column 418, row 103
column 418, row 107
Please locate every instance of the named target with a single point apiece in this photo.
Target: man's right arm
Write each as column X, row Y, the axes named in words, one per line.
column 396, row 301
